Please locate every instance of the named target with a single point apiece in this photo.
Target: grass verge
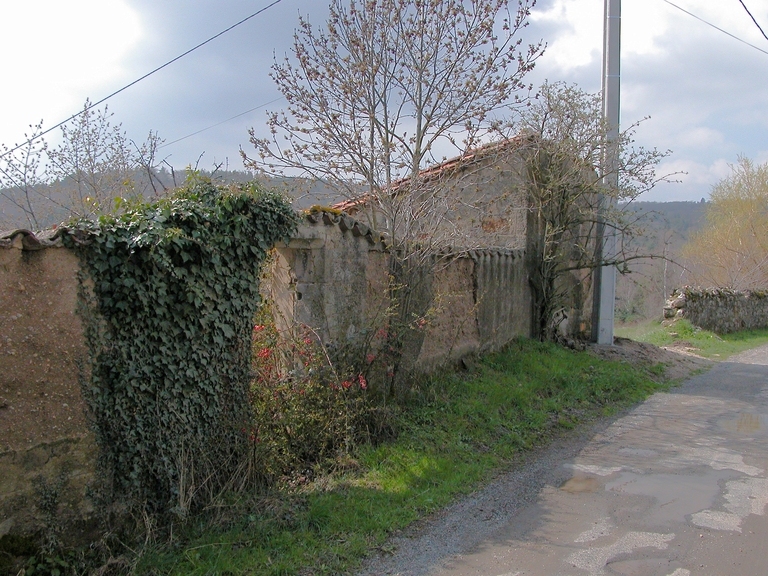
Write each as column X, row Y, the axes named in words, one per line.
column 683, row 333
column 459, row 430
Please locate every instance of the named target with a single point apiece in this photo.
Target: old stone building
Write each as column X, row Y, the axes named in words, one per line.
column 475, row 200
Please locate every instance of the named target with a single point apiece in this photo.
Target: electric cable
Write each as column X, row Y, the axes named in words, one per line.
column 753, row 19
column 220, row 123
column 116, row 92
column 715, row 27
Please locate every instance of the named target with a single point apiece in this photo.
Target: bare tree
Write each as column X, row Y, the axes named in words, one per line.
column 93, row 163
column 389, row 81
column 21, row 180
column 565, row 143
column 147, row 162
column 374, row 96
column 92, row 171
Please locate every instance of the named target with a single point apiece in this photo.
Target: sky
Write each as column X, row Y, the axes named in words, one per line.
column 704, row 93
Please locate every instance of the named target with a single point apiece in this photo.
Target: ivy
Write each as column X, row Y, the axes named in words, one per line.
column 169, row 291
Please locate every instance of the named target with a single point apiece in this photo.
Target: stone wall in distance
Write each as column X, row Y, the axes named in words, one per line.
column 719, row 310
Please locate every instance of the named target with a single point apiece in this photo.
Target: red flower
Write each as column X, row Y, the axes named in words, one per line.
column 264, row 353
column 258, row 327
column 370, row 358
column 362, row 381
column 346, row 384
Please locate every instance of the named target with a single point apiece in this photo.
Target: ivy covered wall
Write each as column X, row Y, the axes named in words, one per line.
column 169, row 291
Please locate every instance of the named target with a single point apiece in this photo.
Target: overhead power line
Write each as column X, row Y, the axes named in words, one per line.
column 715, row 27
column 148, row 74
column 220, row 123
column 753, row 19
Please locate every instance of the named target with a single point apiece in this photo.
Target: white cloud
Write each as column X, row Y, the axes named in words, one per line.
column 580, row 38
column 57, row 53
column 704, row 91
column 698, row 137
column 697, row 173
column 581, row 22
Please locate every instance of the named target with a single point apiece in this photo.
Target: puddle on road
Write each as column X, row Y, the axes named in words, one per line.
column 743, row 497
column 580, row 484
column 676, row 495
column 744, row 423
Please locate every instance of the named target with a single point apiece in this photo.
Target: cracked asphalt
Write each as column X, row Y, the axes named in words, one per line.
column 678, row 486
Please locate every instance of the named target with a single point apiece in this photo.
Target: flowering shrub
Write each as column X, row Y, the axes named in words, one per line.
column 307, row 406
column 313, row 402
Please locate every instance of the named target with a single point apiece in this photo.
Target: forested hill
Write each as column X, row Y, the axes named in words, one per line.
column 680, row 217
column 667, row 228
column 50, row 201
column 50, row 204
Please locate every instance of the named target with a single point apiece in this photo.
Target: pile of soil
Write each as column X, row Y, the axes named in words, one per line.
column 680, row 361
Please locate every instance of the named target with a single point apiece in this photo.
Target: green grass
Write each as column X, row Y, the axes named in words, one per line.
column 706, row 344
column 461, row 430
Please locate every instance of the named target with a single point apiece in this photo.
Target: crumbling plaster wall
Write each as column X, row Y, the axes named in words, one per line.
column 43, row 432
column 332, row 276
column 480, row 200
column 490, row 205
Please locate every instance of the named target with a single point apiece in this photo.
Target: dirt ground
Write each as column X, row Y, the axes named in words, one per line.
column 680, row 360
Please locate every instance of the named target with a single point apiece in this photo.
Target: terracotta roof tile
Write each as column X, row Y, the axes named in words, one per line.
column 436, row 170
column 27, row 240
column 346, row 223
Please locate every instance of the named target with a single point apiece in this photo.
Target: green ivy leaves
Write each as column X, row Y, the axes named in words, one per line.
column 168, row 297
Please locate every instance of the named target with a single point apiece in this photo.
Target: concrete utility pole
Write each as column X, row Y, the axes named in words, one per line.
column 605, row 277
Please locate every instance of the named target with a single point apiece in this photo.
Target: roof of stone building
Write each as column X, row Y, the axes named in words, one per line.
column 446, row 167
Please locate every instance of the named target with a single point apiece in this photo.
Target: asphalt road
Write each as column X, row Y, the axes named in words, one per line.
column 676, row 487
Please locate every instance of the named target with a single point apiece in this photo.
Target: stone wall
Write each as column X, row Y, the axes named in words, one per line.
column 43, row 432
column 333, row 277
column 479, row 199
column 719, row 310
